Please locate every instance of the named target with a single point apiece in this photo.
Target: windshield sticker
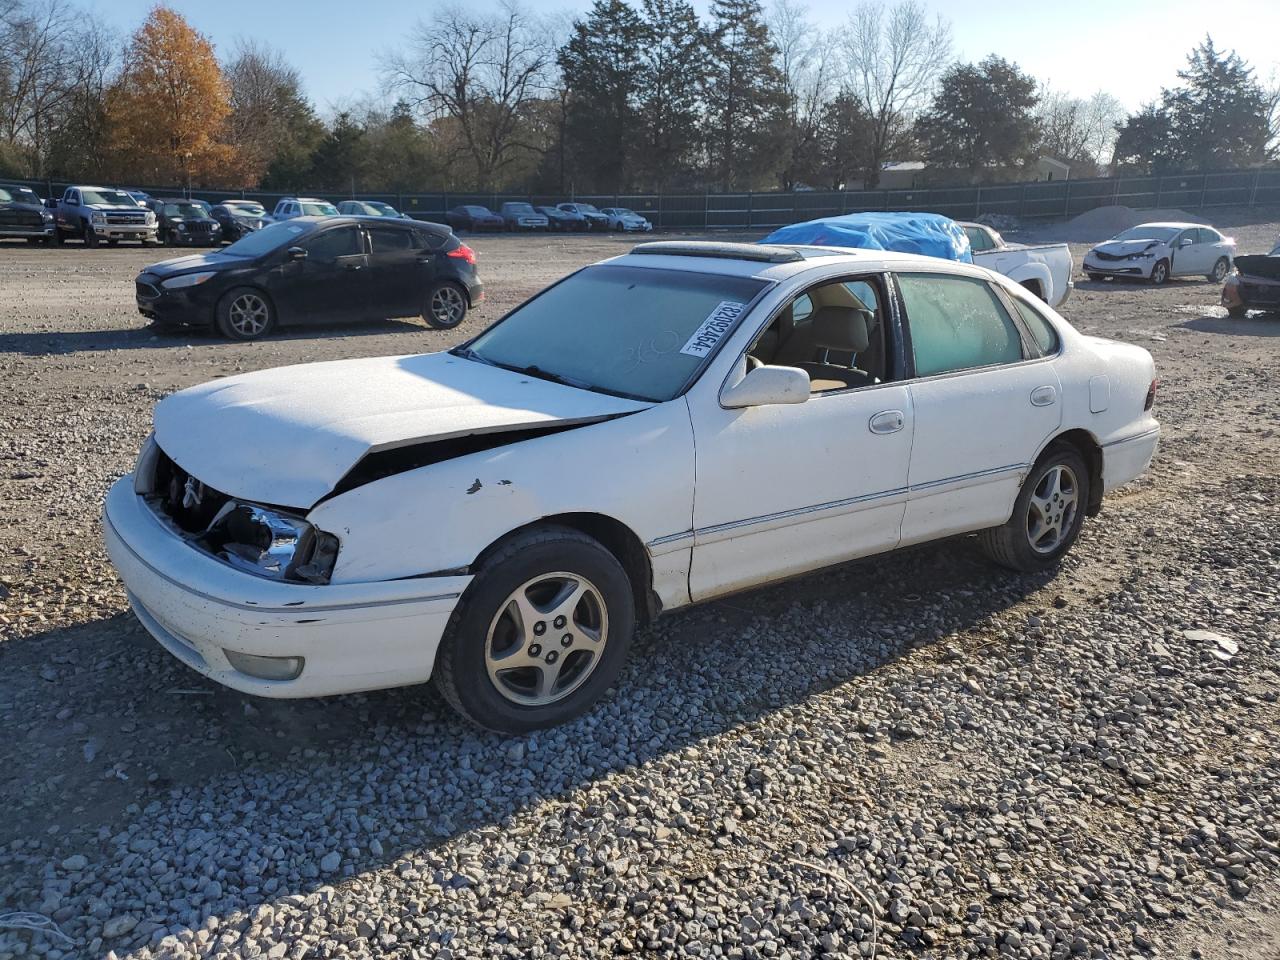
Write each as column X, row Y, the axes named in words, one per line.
column 713, row 328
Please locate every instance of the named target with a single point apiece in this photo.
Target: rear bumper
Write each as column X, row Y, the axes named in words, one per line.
column 350, row 637
column 1127, row 458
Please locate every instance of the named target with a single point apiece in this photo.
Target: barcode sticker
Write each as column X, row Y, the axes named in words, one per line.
column 713, row 328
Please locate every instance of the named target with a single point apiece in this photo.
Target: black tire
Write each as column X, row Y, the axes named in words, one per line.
column 232, row 314
column 113, row 243
column 1237, row 313
column 1096, row 277
column 90, row 238
column 162, row 239
column 58, row 238
column 446, row 306
column 461, row 674
column 1011, row 544
column 1220, row 271
column 1159, row 273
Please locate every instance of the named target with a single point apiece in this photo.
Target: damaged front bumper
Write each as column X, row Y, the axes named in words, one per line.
column 241, row 629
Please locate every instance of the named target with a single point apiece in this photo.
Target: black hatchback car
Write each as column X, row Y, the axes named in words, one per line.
column 474, row 217
column 309, row 270
column 181, row 222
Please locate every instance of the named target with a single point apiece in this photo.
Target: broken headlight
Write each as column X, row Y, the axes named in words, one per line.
column 271, row 544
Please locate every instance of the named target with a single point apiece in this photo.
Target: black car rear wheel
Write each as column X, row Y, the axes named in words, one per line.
column 1237, row 313
column 446, row 305
column 245, row 314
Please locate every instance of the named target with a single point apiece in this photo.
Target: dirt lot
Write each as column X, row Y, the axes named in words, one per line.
column 1013, row 765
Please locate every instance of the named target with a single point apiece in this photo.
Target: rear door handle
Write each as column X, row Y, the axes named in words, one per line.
column 887, row 421
column 353, row 266
column 1043, row 396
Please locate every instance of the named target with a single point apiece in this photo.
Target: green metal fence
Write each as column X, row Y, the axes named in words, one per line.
column 758, row 211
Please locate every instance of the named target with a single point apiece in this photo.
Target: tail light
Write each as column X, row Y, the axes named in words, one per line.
column 463, row 252
column 1151, row 395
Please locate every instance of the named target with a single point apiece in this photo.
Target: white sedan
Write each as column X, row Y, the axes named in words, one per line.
column 628, row 221
column 1158, row 251
column 662, row 428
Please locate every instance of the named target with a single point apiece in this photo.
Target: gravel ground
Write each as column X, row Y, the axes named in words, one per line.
column 914, row 755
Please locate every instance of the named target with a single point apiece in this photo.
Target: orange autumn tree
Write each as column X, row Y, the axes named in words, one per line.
column 168, row 106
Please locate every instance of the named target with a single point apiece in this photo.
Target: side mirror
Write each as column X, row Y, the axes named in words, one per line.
column 767, row 385
column 1185, row 242
column 296, row 253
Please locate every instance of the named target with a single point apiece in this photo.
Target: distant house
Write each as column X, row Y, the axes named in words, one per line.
column 901, row 174
column 1047, row 168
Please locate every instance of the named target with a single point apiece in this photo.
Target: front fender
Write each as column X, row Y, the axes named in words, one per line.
column 636, row 469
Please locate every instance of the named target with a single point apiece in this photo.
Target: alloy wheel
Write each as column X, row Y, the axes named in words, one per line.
column 1051, row 512
column 1220, row 270
column 248, row 315
column 448, row 306
column 546, row 639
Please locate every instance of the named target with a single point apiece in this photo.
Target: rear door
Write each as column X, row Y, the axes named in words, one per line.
column 985, row 397
column 399, row 271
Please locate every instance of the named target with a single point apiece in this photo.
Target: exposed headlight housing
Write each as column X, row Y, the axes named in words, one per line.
column 46, row 217
column 149, row 219
column 186, row 280
column 271, row 544
column 98, row 217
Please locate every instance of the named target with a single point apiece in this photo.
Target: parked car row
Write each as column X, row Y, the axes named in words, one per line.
column 518, row 215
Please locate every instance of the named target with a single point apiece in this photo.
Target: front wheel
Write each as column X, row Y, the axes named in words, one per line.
column 1047, row 516
column 90, row 238
column 1220, row 271
column 446, row 305
column 540, row 634
column 1096, row 277
column 245, row 314
column 1237, row 313
column 1160, row 273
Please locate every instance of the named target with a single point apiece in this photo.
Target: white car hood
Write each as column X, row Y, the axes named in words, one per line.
column 1122, row 248
column 287, row 436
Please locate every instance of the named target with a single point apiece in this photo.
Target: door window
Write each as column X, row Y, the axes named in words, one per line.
column 1184, row 236
column 342, row 242
column 389, row 240
column 1205, row 235
column 979, row 239
column 956, row 323
column 834, row 332
column 1042, row 331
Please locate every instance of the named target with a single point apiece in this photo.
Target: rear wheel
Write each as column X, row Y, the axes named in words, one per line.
column 1160, row 273
column 1095, row 277
column 446, row 305
column 1220, row 270
column 245, row 314
column 1237, row 313
column 1047, row 516
column 540, row 634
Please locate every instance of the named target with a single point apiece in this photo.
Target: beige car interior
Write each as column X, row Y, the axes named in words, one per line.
column 831, row 333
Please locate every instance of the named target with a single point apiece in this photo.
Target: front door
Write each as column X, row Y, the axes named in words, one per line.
column 329, row 284
column 1191, row 257
column 985, row 402
column 781, row 490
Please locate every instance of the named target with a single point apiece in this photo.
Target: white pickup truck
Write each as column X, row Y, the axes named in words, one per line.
column 1045, row 269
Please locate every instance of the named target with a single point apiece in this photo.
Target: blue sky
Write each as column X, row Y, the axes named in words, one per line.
column 1128, row 48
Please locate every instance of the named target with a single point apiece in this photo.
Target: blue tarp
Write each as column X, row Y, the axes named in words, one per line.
column 930, row 234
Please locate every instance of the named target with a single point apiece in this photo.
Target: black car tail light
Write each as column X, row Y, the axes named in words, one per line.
column 463, row 252
column 1151, row 395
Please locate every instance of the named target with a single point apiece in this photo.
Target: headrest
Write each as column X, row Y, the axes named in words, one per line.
column 842, row 328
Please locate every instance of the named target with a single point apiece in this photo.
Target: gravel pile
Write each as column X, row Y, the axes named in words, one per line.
column 915, row 755
column 1102, row 223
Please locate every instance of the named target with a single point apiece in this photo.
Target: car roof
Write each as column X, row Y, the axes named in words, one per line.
column 392, row 222
column 808, row 258
column 1171, row 224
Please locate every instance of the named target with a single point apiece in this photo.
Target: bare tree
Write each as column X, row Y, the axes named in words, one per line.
column 1271, row 89
column 895, row 56
column 805, row 60
column 40, row 68
column 486, row 73
column 1078, row 131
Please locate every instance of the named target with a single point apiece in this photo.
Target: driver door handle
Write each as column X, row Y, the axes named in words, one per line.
column 887, row 421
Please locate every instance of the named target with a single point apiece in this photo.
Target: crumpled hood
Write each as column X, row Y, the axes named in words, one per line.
column 1122, row 248
column 287, row 436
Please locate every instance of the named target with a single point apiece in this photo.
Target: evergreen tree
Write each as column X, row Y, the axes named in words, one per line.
column 673, row 60
column 982, row 118
column 1145, row 143
column 845, row 137
column 745, row 98
column 601, row 65
column 338, row 162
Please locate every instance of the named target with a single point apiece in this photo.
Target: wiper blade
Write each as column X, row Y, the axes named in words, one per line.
column 534, row 370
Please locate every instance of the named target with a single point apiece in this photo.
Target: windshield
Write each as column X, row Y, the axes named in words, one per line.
column 383, row 209
column 271, row 237
column 587, row 208
column 519, row 208
column 247, row 209
column 107, row 197
column 624, row 212
column 182, row 210
column 18, row 195
column 319, row 210
column 1148, row 233
column 628, row 331
column 478, row 211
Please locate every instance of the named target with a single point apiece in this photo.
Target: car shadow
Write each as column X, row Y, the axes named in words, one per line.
column 46, row 343
column 1255, row 325
column 107, row 729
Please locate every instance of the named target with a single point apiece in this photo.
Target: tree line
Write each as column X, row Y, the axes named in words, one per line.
column 629, row 96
